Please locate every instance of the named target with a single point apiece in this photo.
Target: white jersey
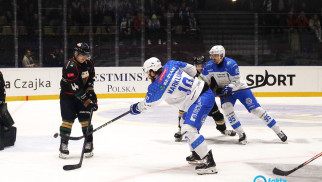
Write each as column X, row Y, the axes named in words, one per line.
column 225, row 73
column 176, row 85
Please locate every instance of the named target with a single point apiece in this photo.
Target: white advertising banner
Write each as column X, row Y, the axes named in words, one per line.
column 115, row 80
column 46, row 81
column 31, row 81
column 122, row 80
column 284, row 78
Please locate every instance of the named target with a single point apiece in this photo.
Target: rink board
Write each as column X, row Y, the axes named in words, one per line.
column 131, row 82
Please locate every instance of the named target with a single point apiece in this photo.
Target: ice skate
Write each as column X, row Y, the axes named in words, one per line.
column 64, row 152
column 228, row 132
column 194, row 158
column 208, row 166
column 282, row 136
column 178, row 136
column 243, row 139
column 89, row 149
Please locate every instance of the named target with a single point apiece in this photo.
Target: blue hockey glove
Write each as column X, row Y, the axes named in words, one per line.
column 227, row 90
column 134, row 109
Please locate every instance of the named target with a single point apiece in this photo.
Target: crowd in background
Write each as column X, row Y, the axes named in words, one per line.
column 296, row 20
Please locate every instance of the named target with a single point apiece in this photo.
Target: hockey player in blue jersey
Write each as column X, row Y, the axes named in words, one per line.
column 175, row 83
column 199, row 63
column 225, row 71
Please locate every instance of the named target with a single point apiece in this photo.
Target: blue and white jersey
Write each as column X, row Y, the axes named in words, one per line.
column 225, row 73
column 176, row 85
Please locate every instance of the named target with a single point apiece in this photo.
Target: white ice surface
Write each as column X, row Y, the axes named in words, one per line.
column 142, row 148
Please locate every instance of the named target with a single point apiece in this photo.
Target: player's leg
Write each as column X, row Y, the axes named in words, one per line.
column 194, row 118
column 248, row 99
column 178, row 135
column 7, row 131
column 228, row 109
column 269, row 121
column 68, row 114
column 84, row 117
column 220, row 121
column 201, row 154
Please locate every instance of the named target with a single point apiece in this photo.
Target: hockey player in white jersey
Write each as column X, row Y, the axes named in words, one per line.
column 226, row 73
column 199, row 63
column 175, row 83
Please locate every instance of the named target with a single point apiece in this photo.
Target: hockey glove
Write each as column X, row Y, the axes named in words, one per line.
column 227, row 90
column 91, row 94
column 218, row 91
column 134, row 109
column 93, row 106
column 90, row 105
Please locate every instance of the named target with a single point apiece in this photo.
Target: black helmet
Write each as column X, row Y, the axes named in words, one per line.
column 82, row 48
column 199, row 60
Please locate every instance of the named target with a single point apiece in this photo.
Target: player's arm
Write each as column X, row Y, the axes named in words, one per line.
column 206, row 74
column 90, row 83
column 151, row 100
column 234, row 76
column 91, row 78
column 190, row 70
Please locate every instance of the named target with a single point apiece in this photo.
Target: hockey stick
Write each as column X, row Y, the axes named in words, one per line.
column 256, row 86
column 285, row 173
column 76, row 166
column 109, row 122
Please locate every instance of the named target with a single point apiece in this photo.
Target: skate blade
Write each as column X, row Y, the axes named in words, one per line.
column 211, row 170
column 63, row 156
column 243, row 142
column 89, row 154
column 228, row 134
column 195, row 162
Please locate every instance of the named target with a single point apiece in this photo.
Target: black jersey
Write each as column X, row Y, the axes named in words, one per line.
column 77, row 79
column 2, row 88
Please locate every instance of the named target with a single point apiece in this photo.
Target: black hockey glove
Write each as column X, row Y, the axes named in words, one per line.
column 90, row 105
column 218, row 91
column 91, row 94
column 93, row 106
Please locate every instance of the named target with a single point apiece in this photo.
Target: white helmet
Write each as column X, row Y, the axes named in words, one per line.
column 153, row 64
column 218, row 49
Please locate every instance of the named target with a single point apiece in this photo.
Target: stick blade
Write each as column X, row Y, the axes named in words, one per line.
column 71, row 167
column 280, row 172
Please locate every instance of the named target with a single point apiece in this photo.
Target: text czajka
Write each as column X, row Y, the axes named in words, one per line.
column 36, row 84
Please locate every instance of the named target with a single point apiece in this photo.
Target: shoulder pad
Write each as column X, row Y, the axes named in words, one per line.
column 70, row 64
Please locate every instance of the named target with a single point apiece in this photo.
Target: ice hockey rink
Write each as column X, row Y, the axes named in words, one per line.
column 142, row 148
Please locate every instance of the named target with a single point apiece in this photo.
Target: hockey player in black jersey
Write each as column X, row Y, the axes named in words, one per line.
column 2, row 90
column 7, row 131
column 199, row 63
column 77, row 97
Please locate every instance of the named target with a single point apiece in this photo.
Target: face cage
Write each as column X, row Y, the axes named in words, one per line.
column 146, row 72
column 202, row 65
column 221, row 56
column 88, row 55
